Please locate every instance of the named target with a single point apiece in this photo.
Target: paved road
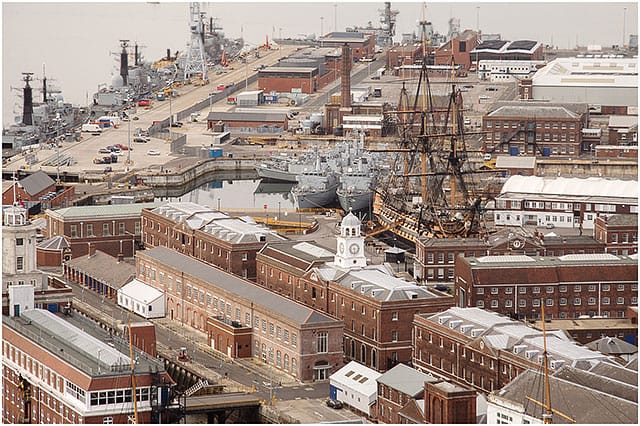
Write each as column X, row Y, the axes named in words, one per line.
column 290, row 395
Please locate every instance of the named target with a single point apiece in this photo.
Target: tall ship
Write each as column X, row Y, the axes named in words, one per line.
column 432, row 190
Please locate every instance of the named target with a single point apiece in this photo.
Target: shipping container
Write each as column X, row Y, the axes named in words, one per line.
column 215, row 152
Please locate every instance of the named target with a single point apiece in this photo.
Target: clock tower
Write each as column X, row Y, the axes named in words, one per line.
column 350, row 244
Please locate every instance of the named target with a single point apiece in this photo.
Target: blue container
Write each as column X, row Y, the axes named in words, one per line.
column 546, row 151
column 215, row 153
column 513, row 151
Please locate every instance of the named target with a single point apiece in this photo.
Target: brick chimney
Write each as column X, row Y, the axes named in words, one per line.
column 345, row 77
column 92, row 250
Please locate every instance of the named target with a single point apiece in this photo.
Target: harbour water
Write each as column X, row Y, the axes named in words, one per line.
column 247, row 195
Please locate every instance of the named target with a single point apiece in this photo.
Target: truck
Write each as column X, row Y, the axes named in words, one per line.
column 91, row 127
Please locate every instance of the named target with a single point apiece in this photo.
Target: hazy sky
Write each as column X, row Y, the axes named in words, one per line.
column 75, row 39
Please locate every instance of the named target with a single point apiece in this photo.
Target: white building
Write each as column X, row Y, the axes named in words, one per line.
column 19, row 249
column 563, row 202
column 142, row 299
column 596, row 81
column 506, row 71
column 355, row 385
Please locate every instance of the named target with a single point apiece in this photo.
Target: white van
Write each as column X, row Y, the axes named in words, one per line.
column 91, row 128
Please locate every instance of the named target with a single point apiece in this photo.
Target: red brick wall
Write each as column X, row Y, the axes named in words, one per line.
column 285, row 84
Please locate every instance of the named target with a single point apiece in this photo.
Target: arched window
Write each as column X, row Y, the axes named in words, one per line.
column 363, row 354
column 286, row 362
column 294, row 367
column 278, row 359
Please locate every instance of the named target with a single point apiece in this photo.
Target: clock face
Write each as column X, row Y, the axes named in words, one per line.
column 517, row 244
column 341, row 248
column 354, row 248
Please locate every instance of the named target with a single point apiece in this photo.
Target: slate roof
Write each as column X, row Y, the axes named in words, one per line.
column 600, row 382
column 622, row 220
column 582, row 402
column 575, row 107
column 56, row 243
column 229, row 282
column 533, row 111
column 36, row 182
column 413, row 410
column 105, row 268
column 406, row 380
column 301, row 255
column 616, row 372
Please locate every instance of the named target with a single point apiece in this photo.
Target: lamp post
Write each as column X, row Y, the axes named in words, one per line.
column 278, row 218
column 218, row 203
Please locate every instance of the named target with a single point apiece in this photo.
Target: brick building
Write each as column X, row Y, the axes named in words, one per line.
column 99, row 272
column 408, row 396
column 435, row 258
column 206, row 234
column 485, row 351
column 362, row 45
column 570, row 286
column 284, row 79
column 113, row 229
column 459, row 48
column 404, row 54
column 38, row 188
column 55, row 372
column 618, row 232
column 534, row 128
column 53, row 251
column 376, row 306
column 563, row 202
column 241, row 319
column 586, row 330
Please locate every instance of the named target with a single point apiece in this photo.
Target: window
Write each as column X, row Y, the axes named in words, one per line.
column 577, row 301
column 494, row 303
column 522, row 290
column 322, row 342
column 19, row 263
column 480, row 304
column 592, row 287
column 89, row 230
column 522, row 303
column 494, row 290
column 606, row 287
column 105, row 229
column 549, row 302
column 563, row 301
column 620, row 300
column 563, row 288
column 121, row 228
column 620, row 287
column 549, row 289
column 74, row 232
column 577, row 288
column 394, row 336
column 394, row 316
column 278, row 332
column 508, row 303
column 480, row 290
column 535, row 303
column 294, row 340
column 536, row 290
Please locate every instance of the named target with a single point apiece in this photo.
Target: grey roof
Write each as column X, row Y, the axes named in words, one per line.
column 303, row 250
column 57, row 242
column 93, row 212
column 105, row 268
column 375, row 281
column 501, row 332
column 577, row 108
column 247, row 116
column 406, row 380
column 216, row 223
column 622, row 220
column 534, row 111
column 581, row 402
column 616, row 372
column 276, row 304
column 36, row 182
column 287, row 70
column 633, row 364
column 612, row 346
column 628, row 391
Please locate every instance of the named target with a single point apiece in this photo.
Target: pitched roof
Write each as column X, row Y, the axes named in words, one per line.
column 36, row 182
column 562, row 186
column 357, row 377
column 233, row 284
column 538, row 111
column 137, row 290
column 105, row 268
column 580, row 401
column 612, row 346
column 57, row 242
column 406, row 380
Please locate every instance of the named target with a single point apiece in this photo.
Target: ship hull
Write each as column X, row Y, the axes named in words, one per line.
column 314, row 199
column 275, row 175
column 355, row 201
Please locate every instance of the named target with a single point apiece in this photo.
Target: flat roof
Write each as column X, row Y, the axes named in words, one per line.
column 93, row 212
column 276, row 304
column 563, row 186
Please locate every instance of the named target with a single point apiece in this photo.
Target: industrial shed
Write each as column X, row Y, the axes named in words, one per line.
column 142, row 299
column 355, row 385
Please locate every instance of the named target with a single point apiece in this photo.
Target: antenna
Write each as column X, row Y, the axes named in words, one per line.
column 27, row 106
column 195, row 63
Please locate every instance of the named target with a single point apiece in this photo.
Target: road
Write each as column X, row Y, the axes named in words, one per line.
column 237, row 375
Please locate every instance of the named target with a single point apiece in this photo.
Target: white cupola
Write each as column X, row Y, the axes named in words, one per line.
column 350, row 245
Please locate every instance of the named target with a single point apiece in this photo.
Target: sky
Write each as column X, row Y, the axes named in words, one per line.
column 76, row 39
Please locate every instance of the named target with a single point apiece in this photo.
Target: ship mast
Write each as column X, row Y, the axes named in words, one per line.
column 133, row 375
column 547, row 417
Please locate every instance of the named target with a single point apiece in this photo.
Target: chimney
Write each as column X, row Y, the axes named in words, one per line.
column 345, row 77
column 92, row 251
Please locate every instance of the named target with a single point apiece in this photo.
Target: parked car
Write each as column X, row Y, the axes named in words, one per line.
column 335, row 404
column 468, row 86
column 483, row 97
column 153, row 152
column 123, row 147
column 491, row 89
column 104, row 151
column 141, row 139
column 177, row 124
column 108, row 169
